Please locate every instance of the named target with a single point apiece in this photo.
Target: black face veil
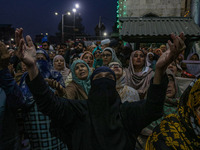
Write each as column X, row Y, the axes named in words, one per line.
column 104, row 107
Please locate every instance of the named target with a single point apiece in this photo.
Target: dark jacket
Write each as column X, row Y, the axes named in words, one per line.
column 72, row 118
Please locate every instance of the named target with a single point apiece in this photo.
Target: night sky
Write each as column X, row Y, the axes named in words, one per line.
column 37, row 16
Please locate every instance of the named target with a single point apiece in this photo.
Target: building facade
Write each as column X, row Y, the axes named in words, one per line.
column 153, row 8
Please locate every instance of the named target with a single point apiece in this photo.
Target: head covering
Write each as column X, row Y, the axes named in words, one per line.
column 114, row 56
column 41, row 51
column 99, row 62
column 173, row 128
column 85, row 84
column 190, row 55
column 102, row 69
column 148, row 61
column 65, row 72
column 87, row 52
column 106, row 41
column 104, row 107
column 158, row 50
column 138, row 80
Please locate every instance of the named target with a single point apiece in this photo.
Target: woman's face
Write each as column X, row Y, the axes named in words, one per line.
column 88, row 59
column 194, row 57
column 117, row 69
column 107, row 57
column 59, row 63
column 138, row 59
column 97, row 54
column 81, row 71
column 171, row 90
column 40, row 57
column 151, row 57
column 173, row 68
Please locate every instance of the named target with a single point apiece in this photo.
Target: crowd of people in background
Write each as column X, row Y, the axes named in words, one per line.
column 67, row 68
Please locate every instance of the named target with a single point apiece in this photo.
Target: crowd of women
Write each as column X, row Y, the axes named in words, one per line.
column 67, row 68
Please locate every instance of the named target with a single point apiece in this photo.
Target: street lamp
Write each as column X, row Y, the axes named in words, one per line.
column 63, row 15
column 74, row 10
column 104, row 34
column 77, row 5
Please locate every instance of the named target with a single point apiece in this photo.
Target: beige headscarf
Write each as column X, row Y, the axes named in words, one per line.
column 138, row 80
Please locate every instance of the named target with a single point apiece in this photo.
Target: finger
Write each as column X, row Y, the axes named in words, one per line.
column 182, row 44
column 29, row 41
column 54, row 84
column 57, row 86
column 20, row 51
column 182, row 36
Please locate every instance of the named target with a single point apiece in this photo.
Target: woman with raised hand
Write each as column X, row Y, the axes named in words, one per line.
column 101, row 121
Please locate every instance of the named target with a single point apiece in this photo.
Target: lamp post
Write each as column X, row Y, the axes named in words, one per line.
column 63, row 16
column 74, row 10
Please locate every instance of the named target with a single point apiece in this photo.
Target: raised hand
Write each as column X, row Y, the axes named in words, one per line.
column 26, row 52
column 170, row 55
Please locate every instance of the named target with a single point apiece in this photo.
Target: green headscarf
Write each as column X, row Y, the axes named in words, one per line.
column 85, row 84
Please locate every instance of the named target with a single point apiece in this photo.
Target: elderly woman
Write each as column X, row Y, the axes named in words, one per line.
column 60, row 66
column 80, row 85
column 138, row 75
column 126, row 93
column 88, row 58
column 109, row 56
column 182, row 130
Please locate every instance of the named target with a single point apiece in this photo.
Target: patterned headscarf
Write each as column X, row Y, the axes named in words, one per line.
column 85, row 84
column 180, row 131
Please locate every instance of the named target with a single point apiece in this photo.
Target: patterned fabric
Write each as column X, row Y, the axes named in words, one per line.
column 37, row 126
column 179, row 131
column 126, row 92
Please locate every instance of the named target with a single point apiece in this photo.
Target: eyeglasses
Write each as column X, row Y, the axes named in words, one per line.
column 106, row 55
column 115, row 66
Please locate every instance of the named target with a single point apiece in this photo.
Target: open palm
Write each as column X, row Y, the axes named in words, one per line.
column 25, row 52
column 172, row 53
